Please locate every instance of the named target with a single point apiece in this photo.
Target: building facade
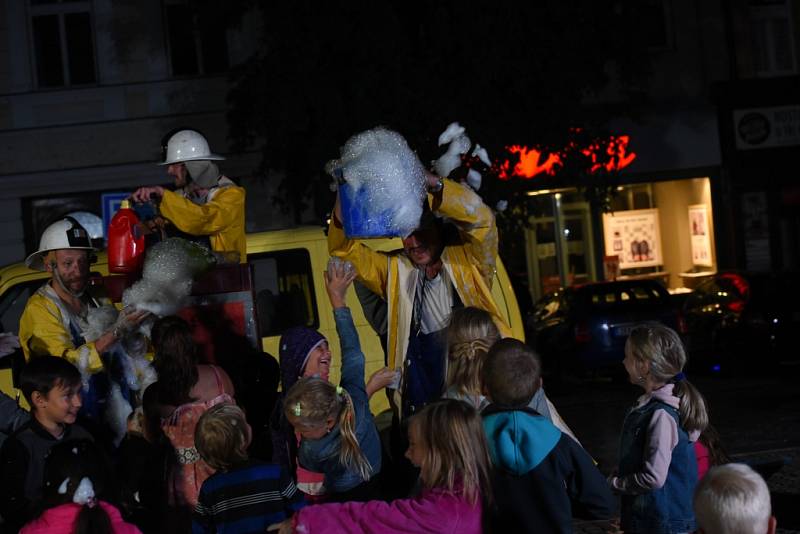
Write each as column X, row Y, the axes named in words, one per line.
column 711, row 187
column 88, row 88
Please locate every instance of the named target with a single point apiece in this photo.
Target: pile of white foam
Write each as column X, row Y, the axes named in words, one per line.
column 458, row 144
column 380, row 162
column 169, row 271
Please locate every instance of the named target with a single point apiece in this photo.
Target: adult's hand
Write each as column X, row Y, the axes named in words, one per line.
column 433, row 181
column 9, row 343
column 128, row 319
column 143, row 193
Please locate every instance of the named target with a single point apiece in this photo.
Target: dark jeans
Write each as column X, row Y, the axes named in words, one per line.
column 424, row 372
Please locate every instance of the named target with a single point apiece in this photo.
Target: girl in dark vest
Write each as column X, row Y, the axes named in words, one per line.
column 657, row 466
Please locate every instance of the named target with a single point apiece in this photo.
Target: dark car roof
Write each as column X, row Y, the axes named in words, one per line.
column 627, row 293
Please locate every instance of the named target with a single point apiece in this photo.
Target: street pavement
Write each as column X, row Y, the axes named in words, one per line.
column 757, row 417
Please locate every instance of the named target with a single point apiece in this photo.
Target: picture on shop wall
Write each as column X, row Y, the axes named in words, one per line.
column 700, row 238
column 634, row 236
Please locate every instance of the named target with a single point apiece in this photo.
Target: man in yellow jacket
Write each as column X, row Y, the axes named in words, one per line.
column 422, row 283
column 206, row 203
column 55, row 318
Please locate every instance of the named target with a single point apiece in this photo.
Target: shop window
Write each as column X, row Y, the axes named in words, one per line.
column 63, row 43
column 197, row 42
column 284, row 288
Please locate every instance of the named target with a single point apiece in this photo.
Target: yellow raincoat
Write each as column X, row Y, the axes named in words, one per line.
column 47, row 328
column 470, row 264
column 221, row 217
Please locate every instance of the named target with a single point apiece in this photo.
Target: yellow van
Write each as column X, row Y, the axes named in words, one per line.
column 287, row 267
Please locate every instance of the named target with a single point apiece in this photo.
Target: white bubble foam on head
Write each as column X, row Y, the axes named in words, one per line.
column 84, row 492
column 381, row 162
column 62, row 489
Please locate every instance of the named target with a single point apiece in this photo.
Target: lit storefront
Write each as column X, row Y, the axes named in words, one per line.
column 597, row 210
column 655, row 230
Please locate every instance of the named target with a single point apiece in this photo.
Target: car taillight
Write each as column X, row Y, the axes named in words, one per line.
column 736, row 306
column 582, row 333
column 681, row 324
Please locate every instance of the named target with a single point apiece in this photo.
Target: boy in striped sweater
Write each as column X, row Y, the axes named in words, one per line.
column 243, row 495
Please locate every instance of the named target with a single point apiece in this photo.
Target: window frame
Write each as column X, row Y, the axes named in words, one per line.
column 61, row 9
column 197, row 41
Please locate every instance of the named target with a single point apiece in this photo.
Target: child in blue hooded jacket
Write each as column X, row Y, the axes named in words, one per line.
column 539, row 471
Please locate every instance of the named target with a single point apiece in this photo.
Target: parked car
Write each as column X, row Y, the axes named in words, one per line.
column 735, row 319
column 584, row 328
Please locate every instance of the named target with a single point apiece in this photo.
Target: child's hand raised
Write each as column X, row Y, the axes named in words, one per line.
column 284, row 527
column 382, row 378
column 338, row 277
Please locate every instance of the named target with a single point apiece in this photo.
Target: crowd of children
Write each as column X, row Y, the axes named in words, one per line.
column 492, row 456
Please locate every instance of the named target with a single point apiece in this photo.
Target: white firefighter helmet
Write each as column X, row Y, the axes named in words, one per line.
column 63, row 234
column 188, row 145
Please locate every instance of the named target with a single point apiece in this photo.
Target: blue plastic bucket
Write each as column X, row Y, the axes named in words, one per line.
column 359, row 217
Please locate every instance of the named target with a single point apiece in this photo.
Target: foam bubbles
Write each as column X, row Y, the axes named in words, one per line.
column 379, row 165
column 169, row 270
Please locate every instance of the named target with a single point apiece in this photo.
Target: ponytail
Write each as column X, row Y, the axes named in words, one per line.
column 92, row 519
column 693, row 411
column 661, row 347
column 350, row 454
column 313, row 401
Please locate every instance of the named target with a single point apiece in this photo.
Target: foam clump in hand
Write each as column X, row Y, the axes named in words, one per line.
column 169, row 270
column 335, row 261
column 387, row 181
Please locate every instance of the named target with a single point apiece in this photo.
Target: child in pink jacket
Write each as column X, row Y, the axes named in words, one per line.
column 446, row 441
column 73, row 481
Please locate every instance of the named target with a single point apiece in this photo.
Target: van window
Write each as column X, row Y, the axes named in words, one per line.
column 13, row 304
column 284, row 289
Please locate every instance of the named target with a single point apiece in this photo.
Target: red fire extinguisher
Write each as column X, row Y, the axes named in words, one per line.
column 125, row 241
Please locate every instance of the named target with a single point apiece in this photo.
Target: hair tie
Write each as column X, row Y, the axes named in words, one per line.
column 680, row 377
column 469, row 349
column 298, row 410
column 339, row 390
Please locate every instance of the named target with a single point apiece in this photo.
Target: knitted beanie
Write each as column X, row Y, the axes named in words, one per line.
column 295, row 346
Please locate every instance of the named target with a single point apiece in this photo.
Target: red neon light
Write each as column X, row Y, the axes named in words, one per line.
column 529, row 166
column 614, row 151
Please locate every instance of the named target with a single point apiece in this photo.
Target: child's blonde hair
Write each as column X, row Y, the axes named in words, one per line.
column 456, row 456
column 222, row 436
column 312, row 401
column 662, row 348
column 471, row 334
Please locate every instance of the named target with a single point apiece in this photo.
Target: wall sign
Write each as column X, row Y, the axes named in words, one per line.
column 755, row 222
column 634, row 236
column 767, row 127
column 700, row 235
